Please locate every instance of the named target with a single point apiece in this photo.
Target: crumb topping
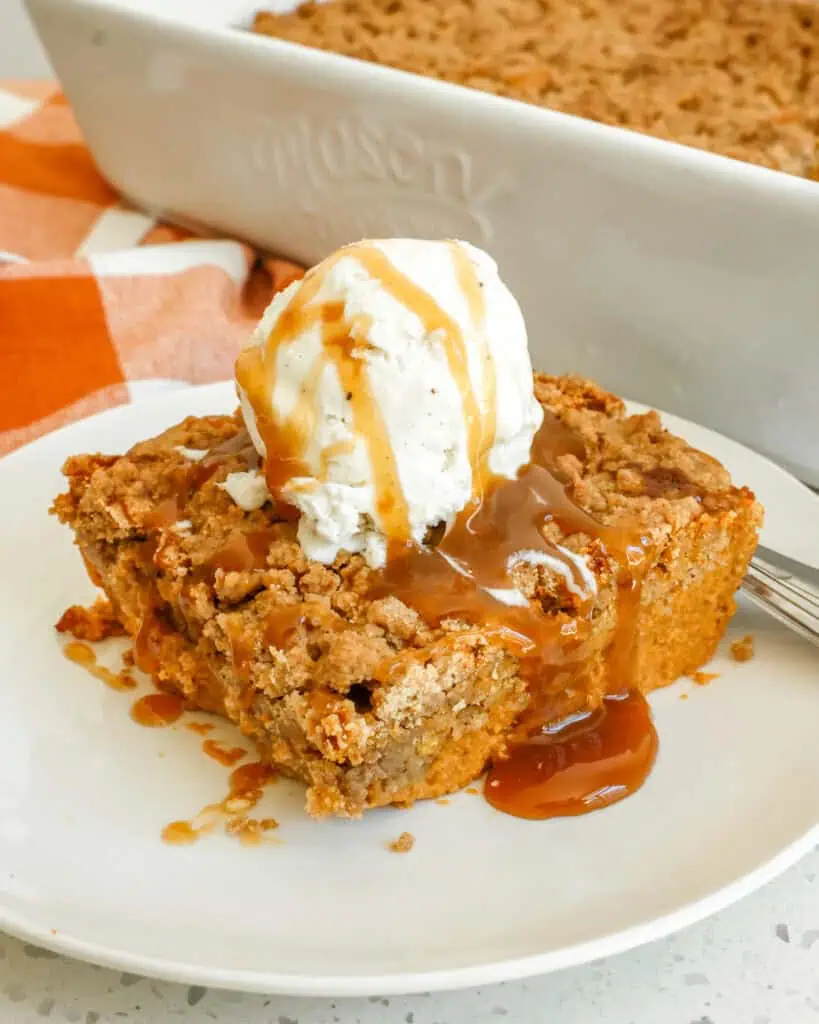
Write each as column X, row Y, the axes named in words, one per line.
column 91, row 624
column 740, row 79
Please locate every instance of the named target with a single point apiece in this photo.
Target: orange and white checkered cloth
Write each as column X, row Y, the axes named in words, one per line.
column 97, row 298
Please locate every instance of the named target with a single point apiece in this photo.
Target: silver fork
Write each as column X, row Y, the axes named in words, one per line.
column 786, row 589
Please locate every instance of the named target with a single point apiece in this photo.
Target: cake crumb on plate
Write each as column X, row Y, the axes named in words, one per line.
column 704, row 678
column 403, row 844
column 95, row 623
column 743, row 650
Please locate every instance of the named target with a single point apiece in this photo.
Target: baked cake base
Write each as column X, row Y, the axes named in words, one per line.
column 357, row 695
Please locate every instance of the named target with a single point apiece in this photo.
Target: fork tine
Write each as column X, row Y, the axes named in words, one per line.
column 789, row 584
column 782, row 599
column 782, row 573
column 793, row 623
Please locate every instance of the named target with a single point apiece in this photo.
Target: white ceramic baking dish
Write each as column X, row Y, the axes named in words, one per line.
column 679, row 278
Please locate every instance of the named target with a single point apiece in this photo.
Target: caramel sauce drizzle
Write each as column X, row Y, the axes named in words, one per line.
column 147, row 643
column 157, row 710
column 283, row 623
column 246, row 786
column 454, row 579
column 201, row 728
column 227, row 756
column 480, row 427
column 482, row 434
column 241, row 552
column 285, row 438
column 341, row 337
column 82, row 654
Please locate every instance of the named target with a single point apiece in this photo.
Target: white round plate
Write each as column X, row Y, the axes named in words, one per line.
column 324, row 908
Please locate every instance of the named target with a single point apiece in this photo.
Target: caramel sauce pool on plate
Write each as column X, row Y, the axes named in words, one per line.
column 157, row 710
column 591, row 761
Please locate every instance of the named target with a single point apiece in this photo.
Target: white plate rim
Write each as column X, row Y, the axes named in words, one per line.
column 491, row 972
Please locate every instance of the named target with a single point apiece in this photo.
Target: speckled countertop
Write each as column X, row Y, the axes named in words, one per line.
column 755, row 963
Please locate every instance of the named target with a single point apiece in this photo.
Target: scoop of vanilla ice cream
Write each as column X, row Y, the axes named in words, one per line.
column 414, row 308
